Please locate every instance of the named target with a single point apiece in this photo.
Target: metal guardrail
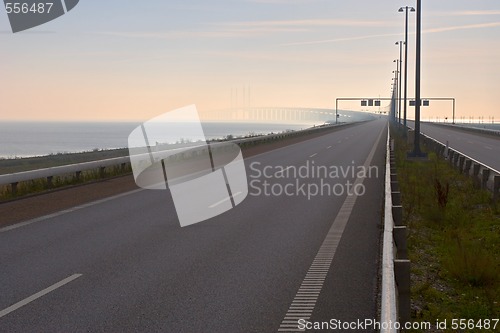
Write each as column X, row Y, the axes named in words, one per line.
column 484, row 176
column 395, row 298
column 13, row 179
column 471, row 129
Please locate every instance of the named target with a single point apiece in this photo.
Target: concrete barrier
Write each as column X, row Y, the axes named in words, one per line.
column 395, row 296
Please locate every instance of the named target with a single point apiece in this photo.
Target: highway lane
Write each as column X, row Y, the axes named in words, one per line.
column 130, row 267
column 484, row 148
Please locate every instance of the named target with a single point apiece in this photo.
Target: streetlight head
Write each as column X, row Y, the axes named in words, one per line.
column 412, row 9
column 401, row 10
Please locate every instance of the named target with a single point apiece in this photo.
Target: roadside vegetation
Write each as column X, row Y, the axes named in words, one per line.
column 41, row 185
column 453, row 241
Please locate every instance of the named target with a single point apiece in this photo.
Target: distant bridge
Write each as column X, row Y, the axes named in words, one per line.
column 271, row 114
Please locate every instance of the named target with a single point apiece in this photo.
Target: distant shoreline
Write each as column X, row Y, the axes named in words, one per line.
column 20, row 164
column 35, row 140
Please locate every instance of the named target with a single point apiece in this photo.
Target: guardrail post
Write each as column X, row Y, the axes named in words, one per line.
column 476, row 168
column 396, row 198
column 461, row 161
column 13, row 187
column 397, row 214
column 78, row 175
column 394, row 186
column 484, row 178
column 400, row 238
column 496, row 188
column 402, row 275
column 442, row 150
column 450, row 156
column 50, row 184
column 394, row 178
column 102, row 172
column 467, row 167
column 455, row 159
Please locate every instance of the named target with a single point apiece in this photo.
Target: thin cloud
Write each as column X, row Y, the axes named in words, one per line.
column 310, row 23
column 476, row 13
column 336, row 40
column 428, row 31
column 250, row 29
column 464, row 27
column 230, row 33
column 279, row 57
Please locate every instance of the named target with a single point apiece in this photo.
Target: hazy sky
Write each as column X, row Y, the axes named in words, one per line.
column 132, row 60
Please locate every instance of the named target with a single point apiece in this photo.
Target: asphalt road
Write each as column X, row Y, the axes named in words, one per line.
column 484, row 148
column 125, row 265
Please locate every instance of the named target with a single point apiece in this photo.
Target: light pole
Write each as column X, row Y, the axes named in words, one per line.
column 417, row 153
column 397, row 89
column 405, row 9
column 395, row 94
column 400, row 43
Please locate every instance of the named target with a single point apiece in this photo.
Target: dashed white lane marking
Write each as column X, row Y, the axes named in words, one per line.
column 224, row 200
column 39, row 294
column 329, row 147
column 279, row 173
column 488, row 147
column 66, row 211
column 313, row 155
column 305, row 300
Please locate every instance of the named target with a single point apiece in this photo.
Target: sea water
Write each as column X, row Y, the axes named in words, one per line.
column 26, row 139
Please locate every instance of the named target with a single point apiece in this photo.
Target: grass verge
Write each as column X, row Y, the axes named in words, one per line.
column 37, row 186
column 453, row 241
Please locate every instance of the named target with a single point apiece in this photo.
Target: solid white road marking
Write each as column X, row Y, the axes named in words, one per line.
column 39, row 294
column 315, row 278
